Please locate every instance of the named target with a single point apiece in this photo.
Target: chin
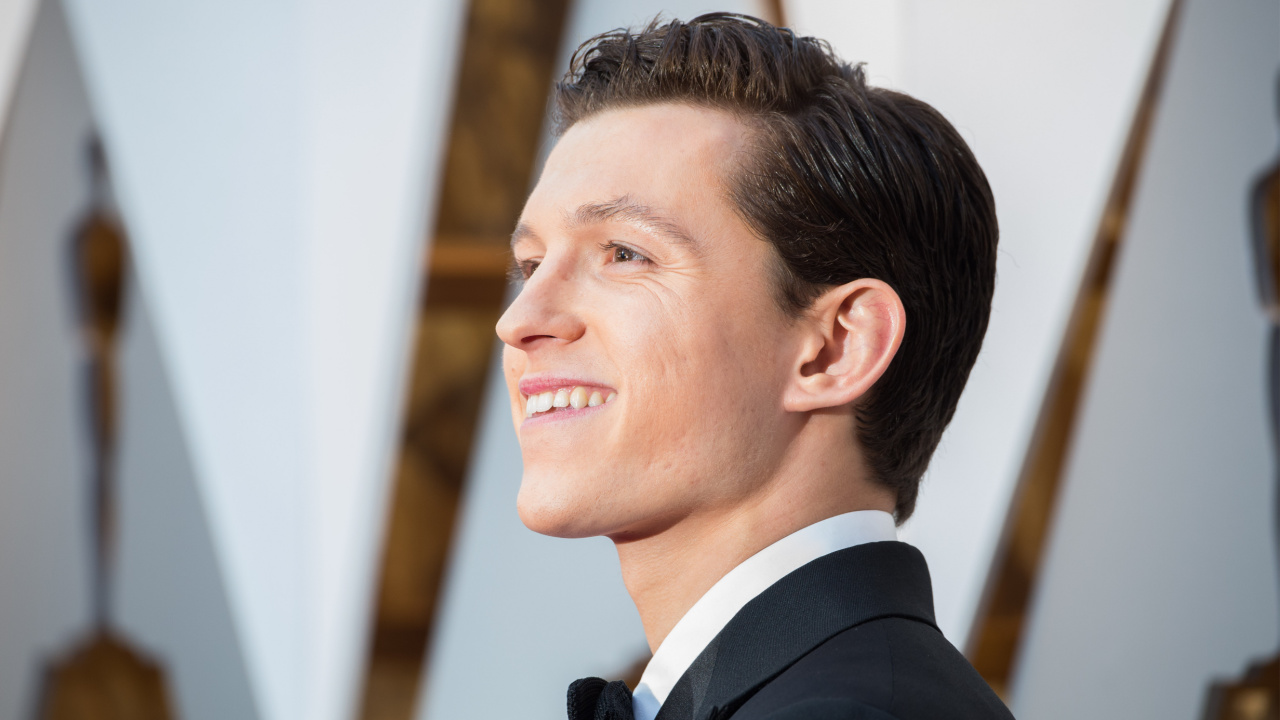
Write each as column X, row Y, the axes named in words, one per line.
column 554, row 506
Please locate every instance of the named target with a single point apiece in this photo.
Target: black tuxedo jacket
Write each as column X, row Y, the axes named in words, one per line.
column 850, row 635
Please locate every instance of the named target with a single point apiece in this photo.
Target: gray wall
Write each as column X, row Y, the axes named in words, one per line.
column 169, row 594
column 44, row 601
column 1161, row 571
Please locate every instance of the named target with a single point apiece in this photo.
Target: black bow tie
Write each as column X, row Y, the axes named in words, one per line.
column 594, row 699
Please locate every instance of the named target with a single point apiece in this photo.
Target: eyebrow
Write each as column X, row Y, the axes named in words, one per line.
column 624, row 209
column 522, row 232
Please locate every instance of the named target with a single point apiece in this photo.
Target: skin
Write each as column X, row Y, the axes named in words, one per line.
column 733, row 423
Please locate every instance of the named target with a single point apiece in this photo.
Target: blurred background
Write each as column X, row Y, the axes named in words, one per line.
column 256, row 460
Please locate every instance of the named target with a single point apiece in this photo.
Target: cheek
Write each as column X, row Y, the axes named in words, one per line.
column 705, row 375
column 513, row 362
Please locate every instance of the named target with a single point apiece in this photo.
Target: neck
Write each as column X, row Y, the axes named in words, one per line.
column 666, row 573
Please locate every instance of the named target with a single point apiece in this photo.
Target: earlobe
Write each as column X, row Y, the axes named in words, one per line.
column 853, row 333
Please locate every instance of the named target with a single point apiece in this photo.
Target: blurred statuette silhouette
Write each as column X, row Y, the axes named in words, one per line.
column 103, row 677
column 1256, row 696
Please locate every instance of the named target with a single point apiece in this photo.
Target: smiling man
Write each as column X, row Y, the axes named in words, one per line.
column 752, row 291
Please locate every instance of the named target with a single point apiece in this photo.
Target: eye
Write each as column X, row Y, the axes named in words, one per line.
column 622, row 253
column 522, row 270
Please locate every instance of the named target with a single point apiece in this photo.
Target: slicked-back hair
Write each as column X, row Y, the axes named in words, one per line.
column 845, row 181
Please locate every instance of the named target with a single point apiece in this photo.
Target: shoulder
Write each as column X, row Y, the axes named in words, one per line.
column 828, row 709
column 886, row 668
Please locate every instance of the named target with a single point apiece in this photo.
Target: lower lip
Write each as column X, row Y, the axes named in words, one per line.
column 565, row 413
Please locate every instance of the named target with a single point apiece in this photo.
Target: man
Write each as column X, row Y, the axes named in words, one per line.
column 753, row 289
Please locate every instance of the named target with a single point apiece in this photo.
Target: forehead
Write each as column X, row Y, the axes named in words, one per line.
column 674, row 157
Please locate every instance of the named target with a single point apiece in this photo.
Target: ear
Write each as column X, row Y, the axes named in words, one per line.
column 851, row 334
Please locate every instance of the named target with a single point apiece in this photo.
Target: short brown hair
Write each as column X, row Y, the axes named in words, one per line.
column 846, row 181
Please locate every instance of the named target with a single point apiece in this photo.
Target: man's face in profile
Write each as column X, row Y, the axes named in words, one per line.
column 643, row 285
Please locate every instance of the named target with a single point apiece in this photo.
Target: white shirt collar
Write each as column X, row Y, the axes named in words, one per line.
column 717, row 607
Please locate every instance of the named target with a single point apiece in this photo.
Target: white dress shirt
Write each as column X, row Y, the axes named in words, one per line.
column 717, row 607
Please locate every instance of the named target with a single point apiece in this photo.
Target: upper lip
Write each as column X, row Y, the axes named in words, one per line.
column 546, row 383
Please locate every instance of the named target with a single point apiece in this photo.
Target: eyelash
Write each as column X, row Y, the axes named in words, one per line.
column 522, row 270
column 615, row 247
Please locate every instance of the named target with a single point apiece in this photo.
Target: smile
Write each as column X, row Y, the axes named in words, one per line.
column 576, row 397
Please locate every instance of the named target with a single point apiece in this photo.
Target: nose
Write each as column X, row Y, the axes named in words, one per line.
column 544, row 312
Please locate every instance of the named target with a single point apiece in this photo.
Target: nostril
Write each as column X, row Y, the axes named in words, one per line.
column 542, row 311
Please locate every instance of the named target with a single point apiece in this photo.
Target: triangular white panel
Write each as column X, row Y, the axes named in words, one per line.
column 272, row 163
column 1161, row 569
column 1044, row 93
column 380, row 81
column 200, row 110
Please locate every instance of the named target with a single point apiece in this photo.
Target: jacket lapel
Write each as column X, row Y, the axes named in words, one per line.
column 795, row 615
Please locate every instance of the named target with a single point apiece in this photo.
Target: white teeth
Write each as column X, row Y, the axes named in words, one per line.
column 576, row 397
